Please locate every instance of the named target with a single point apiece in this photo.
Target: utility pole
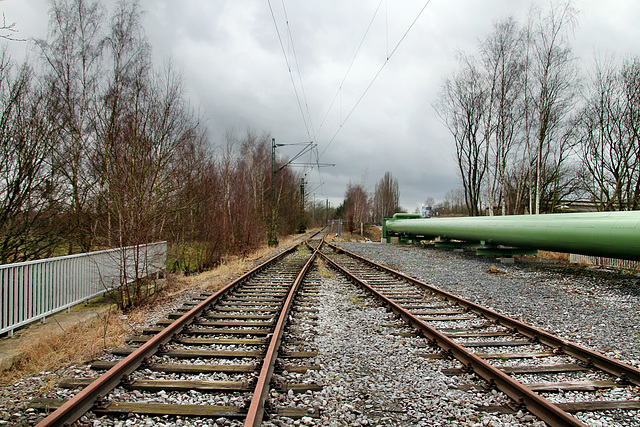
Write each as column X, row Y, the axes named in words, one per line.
column 302, row 228
column 308, row 146
column 273, row 237
column 327, row 211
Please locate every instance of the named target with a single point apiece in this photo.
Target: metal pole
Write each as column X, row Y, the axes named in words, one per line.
column 273, row 237
column 303, row 227
column 327, row 210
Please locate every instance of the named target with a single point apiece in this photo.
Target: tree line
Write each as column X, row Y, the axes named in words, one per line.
column 359, row 206
column 99, row 148
column 530, row 133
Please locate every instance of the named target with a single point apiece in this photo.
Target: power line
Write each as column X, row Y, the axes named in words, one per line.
column 284, row 53
column 351, row 64
column 295, row 57
column 376, row 76
column 306, row 119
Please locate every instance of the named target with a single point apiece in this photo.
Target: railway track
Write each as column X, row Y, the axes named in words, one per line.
column 249, row 349
column 223, row 345
column 508, row 354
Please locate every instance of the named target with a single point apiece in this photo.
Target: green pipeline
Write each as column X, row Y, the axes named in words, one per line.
column 606, row 234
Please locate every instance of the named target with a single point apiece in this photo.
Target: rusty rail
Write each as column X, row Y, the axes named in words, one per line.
column 599, row 360
column 256, row 409
column 539, row 406
column 82, row 402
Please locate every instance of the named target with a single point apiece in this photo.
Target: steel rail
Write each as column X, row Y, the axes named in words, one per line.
column 256, row 408
column 590, row 357
column 81, row 403
column 535, row 403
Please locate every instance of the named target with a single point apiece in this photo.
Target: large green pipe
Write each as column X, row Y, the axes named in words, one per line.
column 606, row 234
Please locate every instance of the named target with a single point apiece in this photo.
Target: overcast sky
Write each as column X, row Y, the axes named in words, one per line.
column 236, row 73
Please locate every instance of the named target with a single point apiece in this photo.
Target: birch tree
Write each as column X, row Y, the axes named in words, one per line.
column 462, row 106
column 72, row 54
column 552, row 84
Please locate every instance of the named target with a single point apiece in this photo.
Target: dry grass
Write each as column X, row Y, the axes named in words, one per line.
column 370, row 232
column 558, row 256
column 85, row 341
column 348, row 237
column 494, row 270
column 232, row 267
column 561, row 257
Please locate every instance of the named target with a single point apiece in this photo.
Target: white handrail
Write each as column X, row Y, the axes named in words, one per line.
column 33, row 290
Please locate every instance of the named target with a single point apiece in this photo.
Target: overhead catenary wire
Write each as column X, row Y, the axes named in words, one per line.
column 375, row 77
column 307, row 117
column 286, row 58
column 338, row 92
column 307, row 120
column 295, row 57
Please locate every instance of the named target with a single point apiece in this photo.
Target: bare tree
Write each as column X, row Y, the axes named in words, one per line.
column 453, row 204
column 72, row 54
column 356, row 205
column 128, row 53
column 143, row 124
column 553, row 80
column 607, row 132
column 502, row 54
column 28, row 185
column 386, row 197
column 462, row 105
column 8, row 31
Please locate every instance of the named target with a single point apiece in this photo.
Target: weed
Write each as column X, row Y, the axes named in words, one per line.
column 494, row 270
column 353, row 298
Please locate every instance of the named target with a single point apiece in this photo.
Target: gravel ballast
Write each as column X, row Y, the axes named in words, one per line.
column 371, row 375
column 595, row 308
column 599, row 309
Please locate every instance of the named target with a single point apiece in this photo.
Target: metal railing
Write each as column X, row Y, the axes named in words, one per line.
column 625, row 264
column 35, row 289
